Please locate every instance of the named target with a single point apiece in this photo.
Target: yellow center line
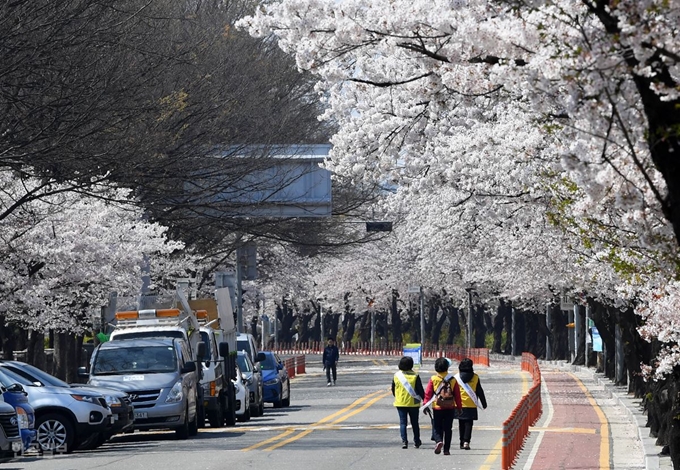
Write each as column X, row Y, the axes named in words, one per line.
column 290, row 431
column 604, row 427
column 339, row 420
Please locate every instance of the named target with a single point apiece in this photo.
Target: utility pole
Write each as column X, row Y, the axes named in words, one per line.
column 469, row 322
column 422, row 319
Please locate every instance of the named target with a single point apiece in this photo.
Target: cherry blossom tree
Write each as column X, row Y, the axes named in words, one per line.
column 64, row 254
column 533, row 114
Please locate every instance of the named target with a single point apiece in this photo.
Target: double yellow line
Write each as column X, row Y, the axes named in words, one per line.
column 356, row 407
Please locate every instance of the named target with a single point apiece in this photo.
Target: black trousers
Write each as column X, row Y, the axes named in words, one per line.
column 331, row 367
column 442, row 422
column 465, row 430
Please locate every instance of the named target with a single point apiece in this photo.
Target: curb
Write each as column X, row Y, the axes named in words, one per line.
column 653, row 458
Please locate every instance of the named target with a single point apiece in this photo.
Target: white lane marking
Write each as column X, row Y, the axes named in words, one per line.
column 534, row 449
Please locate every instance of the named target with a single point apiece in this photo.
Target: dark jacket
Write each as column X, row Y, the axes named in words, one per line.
column 471, row 413
column 331, row 355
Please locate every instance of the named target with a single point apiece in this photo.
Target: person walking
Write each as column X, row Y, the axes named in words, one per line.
column 472, row 396
column 331, row 355
column 443, row 395
column 408, row 392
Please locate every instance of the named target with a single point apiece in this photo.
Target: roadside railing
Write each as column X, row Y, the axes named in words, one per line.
column 480, row 356
column 525, row 414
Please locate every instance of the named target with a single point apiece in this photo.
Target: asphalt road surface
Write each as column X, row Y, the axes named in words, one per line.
column 351, row 425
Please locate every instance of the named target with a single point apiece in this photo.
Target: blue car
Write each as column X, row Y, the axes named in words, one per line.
column 14, row 394
column 275, row 380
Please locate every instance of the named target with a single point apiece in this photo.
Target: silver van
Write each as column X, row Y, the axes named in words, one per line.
column 159, row 375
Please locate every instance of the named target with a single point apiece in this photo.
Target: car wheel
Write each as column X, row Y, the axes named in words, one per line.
column 193, row 425
column 230, row 416
column 278, row 403
column 94, row 441
column 245, row 416
column 216, row 417
column 54, row 431
column 286, row 401
column 182, row 432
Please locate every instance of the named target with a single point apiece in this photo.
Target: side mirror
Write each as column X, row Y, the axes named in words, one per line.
column 16, row 388
column 188, row 367
column 224, row 349
column 279, row 366
column 260, row 357
column 82, row 373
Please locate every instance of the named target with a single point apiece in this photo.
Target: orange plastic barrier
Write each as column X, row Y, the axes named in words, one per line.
column 289, row 364
column 300, row 364
column 525, row 414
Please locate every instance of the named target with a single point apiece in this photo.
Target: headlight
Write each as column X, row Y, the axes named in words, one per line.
column 112, row 401
column 87, row 398
column 22, row 418
column 274, row 381
column 206, row 389
column 175, row 393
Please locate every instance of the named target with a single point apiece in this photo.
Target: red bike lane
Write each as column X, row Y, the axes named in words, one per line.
column 577, row 434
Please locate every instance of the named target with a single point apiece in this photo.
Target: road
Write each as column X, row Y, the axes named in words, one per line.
column 352, row 425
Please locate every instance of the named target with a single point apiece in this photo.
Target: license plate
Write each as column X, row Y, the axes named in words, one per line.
column 141, row 415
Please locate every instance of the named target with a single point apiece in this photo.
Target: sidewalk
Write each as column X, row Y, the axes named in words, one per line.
column 587, row 422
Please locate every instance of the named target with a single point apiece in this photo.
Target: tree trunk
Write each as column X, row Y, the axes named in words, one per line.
column 454, row 324
column 35, row 353
column 498, row 327
column 395, row 316
column 479, row 333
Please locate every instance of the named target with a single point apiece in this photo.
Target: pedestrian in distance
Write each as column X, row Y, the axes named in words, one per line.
column 442, row 394
column 408, row 392
column 331, row 355
column 472, row 396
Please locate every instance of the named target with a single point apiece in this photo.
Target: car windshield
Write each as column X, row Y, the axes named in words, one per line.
column 140, row 359
column 243, row 363
column 5, row 380
column 16, row 378
column 269, row 363
column 243, row 345
column 36, row 375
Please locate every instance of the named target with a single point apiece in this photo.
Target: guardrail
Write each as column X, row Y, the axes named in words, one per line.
column 525, row 414
column 480, row 356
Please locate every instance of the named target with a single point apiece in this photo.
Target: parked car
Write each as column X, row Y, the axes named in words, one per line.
column 10, row 436
column 14, row 394
column 119, row 402
column 253, row 377
column 242, row 396
column 276, row 385
column 64, row 417
column 160, row 376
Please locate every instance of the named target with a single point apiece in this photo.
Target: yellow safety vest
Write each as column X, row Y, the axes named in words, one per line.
column 467, row 401
column 401, row 396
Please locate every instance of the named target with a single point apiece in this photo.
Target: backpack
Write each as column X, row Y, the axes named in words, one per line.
column 445, row 398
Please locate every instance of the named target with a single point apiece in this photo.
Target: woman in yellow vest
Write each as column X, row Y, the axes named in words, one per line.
column 408, row 394
column 472, row 395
